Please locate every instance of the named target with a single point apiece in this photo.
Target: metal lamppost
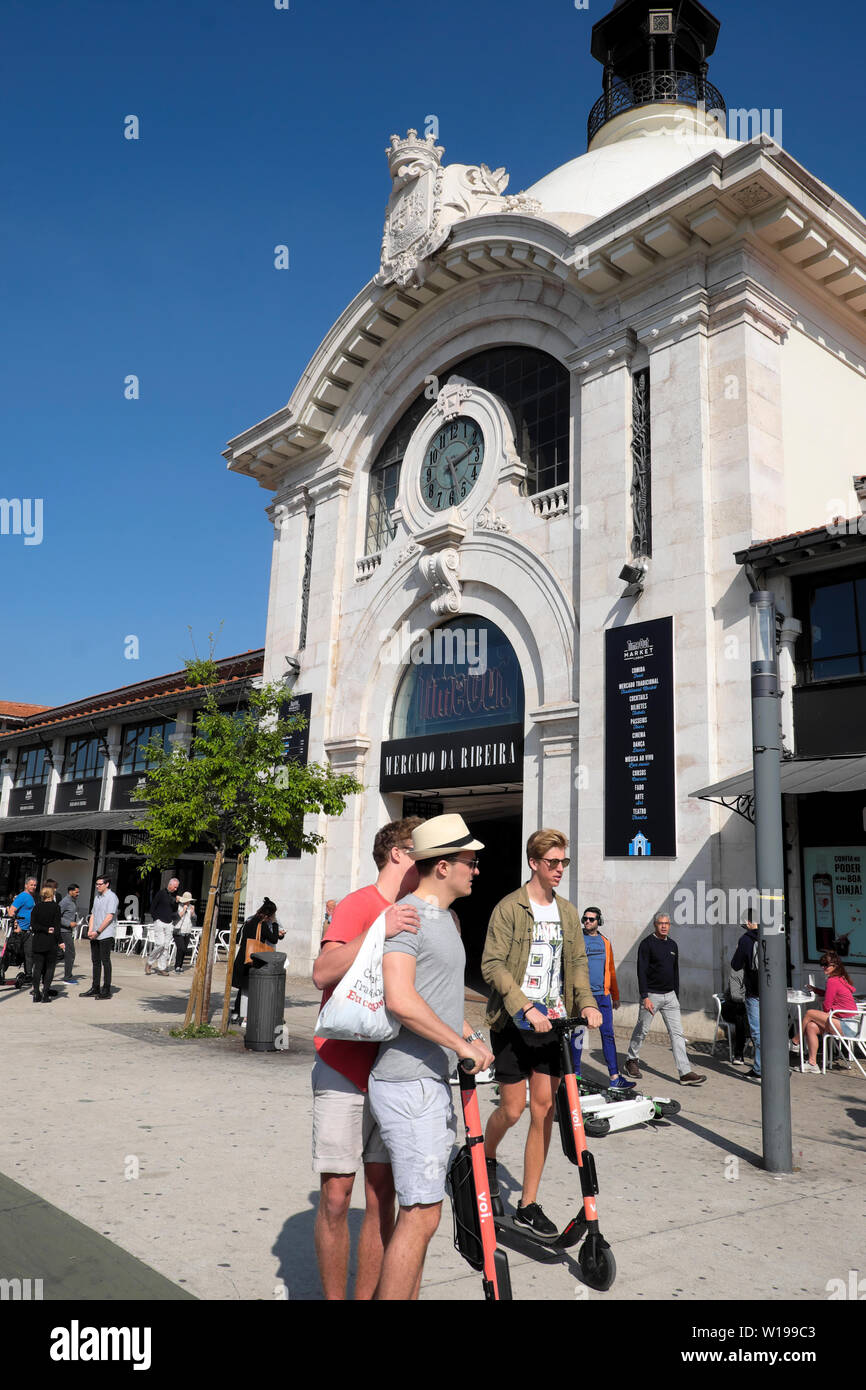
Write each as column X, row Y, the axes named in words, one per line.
column 770, row 869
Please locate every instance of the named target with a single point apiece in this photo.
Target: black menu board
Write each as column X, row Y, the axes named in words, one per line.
column 639, row 782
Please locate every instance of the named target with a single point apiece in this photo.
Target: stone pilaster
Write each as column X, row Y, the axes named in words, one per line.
column 791, row 630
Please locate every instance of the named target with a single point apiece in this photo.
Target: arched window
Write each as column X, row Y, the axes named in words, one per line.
column 536, row 390
column 461, row 675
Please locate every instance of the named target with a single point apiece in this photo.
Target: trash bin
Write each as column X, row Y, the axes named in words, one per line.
column 267, row 1000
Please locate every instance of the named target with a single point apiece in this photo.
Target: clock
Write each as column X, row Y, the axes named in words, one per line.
column 452, row 463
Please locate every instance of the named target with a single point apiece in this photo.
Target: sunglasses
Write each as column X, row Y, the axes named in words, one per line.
column 589, row 919
column 555, row 863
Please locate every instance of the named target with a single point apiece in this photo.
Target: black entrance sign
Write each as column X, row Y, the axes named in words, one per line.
column 27, row 801
column 79, row 796
column 639, row 784
column 298, row 742
column 469, row 758
column 128, row 791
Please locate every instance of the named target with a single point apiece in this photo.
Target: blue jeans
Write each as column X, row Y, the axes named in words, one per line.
column 608, row 1041
column 753, row 1014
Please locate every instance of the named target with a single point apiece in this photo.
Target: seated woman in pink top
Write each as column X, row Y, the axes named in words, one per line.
column 839, row 994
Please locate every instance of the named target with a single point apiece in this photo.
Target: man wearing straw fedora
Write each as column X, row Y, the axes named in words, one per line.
column 409, row 1091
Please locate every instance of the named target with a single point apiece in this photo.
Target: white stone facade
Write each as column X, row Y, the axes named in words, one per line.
column 741, row 282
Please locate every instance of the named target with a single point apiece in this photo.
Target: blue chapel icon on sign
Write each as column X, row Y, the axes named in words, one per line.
column 639, row 845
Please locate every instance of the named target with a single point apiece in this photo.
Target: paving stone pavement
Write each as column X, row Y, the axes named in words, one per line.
column 193, row 1157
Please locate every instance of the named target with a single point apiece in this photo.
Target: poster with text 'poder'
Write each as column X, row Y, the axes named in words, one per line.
column 833, row 881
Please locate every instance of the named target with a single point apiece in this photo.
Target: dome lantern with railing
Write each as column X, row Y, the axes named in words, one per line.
column 655, row 57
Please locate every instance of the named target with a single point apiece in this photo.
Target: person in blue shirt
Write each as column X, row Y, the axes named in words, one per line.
column 22, row 906
column 602, row 982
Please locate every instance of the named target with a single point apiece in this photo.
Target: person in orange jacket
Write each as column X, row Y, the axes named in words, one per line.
column 602, row 982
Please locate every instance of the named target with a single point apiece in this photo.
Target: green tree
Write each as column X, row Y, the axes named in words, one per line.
column 234, row 789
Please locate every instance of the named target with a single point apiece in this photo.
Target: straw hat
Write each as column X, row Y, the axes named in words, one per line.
column 186, row 898
column 441, row 835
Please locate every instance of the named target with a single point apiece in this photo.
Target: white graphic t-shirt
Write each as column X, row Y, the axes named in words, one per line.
column 542, row 981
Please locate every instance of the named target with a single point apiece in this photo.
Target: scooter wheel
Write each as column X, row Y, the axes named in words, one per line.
column 597, row 1127
column 668, row 1107
column 597, row 1270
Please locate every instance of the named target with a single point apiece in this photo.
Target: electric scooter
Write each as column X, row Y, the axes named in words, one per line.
column 596, row 1261
column 469, row 1189
column 605, row 1111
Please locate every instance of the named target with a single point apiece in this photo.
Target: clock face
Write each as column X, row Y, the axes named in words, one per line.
column 452, row 463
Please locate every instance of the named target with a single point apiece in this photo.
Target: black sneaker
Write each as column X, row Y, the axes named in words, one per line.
column 493, row 1184
column 88, row 994
column 533, row 1217
column 103, row 994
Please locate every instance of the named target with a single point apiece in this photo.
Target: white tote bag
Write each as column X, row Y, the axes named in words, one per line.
column 356, row 1010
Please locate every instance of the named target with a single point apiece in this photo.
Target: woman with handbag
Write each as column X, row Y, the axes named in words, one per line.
column 259, row 933
column 182, row 926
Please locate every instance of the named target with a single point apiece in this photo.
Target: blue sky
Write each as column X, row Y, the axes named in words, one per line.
column 155, row 257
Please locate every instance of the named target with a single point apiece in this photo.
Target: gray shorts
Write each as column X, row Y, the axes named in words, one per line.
column 417, row 1122
column 345, row 1134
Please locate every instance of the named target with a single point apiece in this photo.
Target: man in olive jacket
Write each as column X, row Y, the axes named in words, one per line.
column 533, row 956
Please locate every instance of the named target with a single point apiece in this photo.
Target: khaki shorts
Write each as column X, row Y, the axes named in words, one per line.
column 345, row 1135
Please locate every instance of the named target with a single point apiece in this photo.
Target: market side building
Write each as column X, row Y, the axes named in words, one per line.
column 71, row 777
column 545, row 428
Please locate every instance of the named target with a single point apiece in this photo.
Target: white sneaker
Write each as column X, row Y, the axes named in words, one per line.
column 813, row 1067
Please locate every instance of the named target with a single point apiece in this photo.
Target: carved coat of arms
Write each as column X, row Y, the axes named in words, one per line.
column 426, row 200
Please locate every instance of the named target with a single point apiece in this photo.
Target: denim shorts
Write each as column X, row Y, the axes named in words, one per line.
column 417, row 1122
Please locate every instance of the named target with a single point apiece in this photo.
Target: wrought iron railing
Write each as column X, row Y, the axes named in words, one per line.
column 686, row 88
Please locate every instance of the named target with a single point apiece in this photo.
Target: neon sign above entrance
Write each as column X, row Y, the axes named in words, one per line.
column 463, row 675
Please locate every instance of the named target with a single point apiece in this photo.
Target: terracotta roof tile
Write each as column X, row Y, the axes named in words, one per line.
column 850, row 524
column 14, row 707
column 79, row 709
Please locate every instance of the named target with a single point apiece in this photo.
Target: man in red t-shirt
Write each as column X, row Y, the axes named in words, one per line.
column 345, row 1135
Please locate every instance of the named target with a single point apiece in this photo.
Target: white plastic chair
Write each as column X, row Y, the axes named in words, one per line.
column 135, row 938
column 723, row 1023
column 194, row 943
column 844, row 1042
column 222, row 944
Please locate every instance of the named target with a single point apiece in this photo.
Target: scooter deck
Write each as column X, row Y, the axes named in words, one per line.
column 563, row 1240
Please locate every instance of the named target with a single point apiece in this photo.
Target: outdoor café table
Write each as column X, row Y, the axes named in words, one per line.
column 797, row 998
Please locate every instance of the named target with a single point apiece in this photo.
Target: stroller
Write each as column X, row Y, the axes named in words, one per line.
column 13, row 957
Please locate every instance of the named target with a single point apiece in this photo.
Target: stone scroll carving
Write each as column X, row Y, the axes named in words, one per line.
column 442, row 573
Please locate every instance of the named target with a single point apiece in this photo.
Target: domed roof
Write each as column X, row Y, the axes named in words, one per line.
column 603, row 179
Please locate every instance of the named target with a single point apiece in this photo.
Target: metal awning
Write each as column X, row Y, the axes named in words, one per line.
column 798, row 777
column 73, row 820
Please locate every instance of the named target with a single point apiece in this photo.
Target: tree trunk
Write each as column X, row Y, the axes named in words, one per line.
column 202, row 1010
column 224, row 1022
column 196, row 992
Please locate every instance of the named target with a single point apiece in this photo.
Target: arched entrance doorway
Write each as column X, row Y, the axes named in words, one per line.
column 457, row 745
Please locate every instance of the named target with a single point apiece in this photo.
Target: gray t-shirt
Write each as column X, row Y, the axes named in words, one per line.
column 440, row 962
column 68, row 912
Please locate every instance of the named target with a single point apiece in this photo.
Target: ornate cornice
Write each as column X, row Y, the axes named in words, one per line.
column 755, row 196
column 613, row 349
column 333, row 481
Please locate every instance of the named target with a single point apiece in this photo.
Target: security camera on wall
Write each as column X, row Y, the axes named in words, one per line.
column 635, row 576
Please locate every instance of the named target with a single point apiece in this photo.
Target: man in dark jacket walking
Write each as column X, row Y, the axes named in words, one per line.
column 658, row 977
column 162, row 909
column 745, row 958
